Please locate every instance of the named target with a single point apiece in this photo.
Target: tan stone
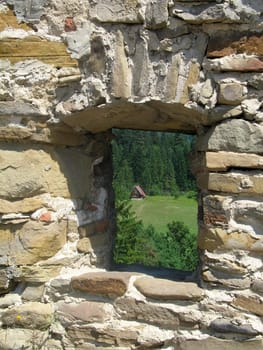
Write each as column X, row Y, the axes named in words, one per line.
column 8, row 19
column 25, row 205
column 105, row 283
column 219, row 161
column 33, row 292
column 33, row 47
column 84, row 245
column 236, row 182
column 192, row 78
column 17, row 338
column 26, row 172
column 162, row 289
column 121, row 74
column 38, row 273
column 32, row 315
column 251, row 303
column 32, row 242
column 88, row 311
column 220, row 344
column 172, row 78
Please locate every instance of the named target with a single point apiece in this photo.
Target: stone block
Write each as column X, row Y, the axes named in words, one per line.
column 117, row 11
column 236, row 182
column 220, row 344
column 33, row 292
column 225, row 43
column 257, row 286
column 25, row 205
column 156, row 14
column 121, row 74
column 250, row 303
column 219, row 238
column 32, row 47
column 230, row 93
column 8, row 19
column 237, row 63
column 17, row 338
column 135, row 310
column 222, row 160
column 38, row 273
column 233, row 135
column 111, row 284
column 216, row 278
column 31, row 242
column 156, row 288
column 26, row 172
column 223, row 325
column 86, row 311
column 31, row 315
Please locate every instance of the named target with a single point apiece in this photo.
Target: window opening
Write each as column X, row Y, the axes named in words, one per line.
column 155, row 200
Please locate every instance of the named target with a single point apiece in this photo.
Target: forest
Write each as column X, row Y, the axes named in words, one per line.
column 159, row 163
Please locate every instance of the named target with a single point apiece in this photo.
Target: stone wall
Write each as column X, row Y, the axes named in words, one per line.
column 69, row 72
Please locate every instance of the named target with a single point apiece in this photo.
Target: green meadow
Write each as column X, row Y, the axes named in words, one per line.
column 160, row 210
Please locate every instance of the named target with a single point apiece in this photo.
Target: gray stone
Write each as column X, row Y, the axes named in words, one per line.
column 156, row 14
column 223, row 325
column 230, row 93
column 33, row 292
column 86, row 311
column 28, row 11
column 116, row 11
column 162, row 289
column 257, row 286
column 233, row 135
column 19, row 109
column 9, row 300
column 227, row 280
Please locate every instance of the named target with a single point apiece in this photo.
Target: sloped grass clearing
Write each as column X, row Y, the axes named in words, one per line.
column 158, row 211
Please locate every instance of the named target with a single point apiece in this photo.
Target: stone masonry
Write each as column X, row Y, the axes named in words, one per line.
column 70, row 71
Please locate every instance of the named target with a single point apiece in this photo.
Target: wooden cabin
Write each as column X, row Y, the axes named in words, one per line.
column 137, row 193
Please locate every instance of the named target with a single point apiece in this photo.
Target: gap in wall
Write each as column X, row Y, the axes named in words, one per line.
column 155, row 200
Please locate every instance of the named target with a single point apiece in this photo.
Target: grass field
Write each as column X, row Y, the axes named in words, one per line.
column 160, row 210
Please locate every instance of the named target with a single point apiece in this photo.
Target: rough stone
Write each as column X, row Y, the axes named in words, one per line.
column 223, row 325
column 31, row 315
column 156, row 288
column 121, row 75
column 26, row 172
column 236, row 182
column 16, row 338
column 219, row 344
column 233, row 135
column 227, row 280
column 219, row 238
column 86, row 311
column 116, row 11
column 222, row 160
column 131, row 309
column 25, row 205
column 38, row 273
column 227, row 43
column 33, row 292
column 32, row 47
column 156, row 14
column 105, row 283
column 230, row 93
column 238, row 63
column 257, row 286
column 9, row 300
column 32, row 241
column 251, row 303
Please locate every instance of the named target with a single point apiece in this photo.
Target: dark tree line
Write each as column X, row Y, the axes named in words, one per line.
column 155, row 160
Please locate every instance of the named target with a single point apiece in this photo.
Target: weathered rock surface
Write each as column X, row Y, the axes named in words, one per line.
column 156, row 288
column 31, row 315
column 219, row 344
column 105, row 283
